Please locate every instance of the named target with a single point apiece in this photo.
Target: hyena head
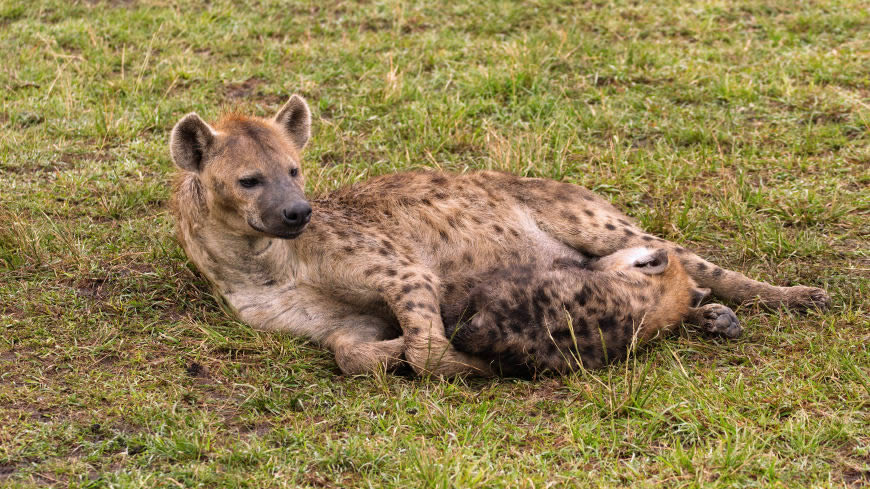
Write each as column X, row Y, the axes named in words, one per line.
column 659, row 269
column 249, row 169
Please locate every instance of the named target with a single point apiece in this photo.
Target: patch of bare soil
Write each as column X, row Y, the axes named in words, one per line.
column 249, row 90
column 239, row 91
column 856, row 477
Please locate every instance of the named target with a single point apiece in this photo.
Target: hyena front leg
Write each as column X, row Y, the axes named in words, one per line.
column 411, row 293
column 591, row 225
column 356, row 355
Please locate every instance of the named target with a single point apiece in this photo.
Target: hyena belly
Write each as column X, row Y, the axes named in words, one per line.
column 527, row 320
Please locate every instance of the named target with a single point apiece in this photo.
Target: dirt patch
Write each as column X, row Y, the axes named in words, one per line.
column 856, row 477
column 73, row 158
column 238, row 91
column 249, row 90
column 6, row 470
column 112, row 3
column 196, row 370
column 95, row 288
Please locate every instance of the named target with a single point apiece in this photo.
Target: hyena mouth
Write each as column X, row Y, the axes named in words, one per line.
column 279, row 235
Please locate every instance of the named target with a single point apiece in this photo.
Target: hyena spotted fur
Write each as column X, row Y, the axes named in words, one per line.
column 533, row 318
column 364, row 269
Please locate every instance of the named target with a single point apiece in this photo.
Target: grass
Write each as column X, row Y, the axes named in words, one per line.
column 741, row 129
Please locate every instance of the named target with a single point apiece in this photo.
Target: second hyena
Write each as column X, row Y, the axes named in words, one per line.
column 364, row 269
column 531, row 318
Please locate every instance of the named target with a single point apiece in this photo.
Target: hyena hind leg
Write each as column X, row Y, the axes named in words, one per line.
column 737, row 287
column 715, row 318
column 607, row 233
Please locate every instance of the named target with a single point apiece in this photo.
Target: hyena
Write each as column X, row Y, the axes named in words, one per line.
column 364, row 269
column 531, row 318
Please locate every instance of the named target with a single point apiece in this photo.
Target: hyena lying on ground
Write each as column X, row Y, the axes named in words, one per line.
column 532, row 318
column 366, row 275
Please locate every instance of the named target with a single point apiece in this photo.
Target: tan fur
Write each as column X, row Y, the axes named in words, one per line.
column 378, row 258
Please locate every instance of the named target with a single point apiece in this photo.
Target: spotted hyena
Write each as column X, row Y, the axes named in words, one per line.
column 536, row 317
column 364, row 269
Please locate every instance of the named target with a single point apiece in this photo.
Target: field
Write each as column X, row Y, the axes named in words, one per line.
column 739, row 129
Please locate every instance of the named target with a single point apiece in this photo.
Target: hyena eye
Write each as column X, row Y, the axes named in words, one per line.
column 249, row 182
column 294, row 172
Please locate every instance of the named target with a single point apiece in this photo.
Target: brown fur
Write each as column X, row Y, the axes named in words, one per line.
column 533, row 318
column 367, row 275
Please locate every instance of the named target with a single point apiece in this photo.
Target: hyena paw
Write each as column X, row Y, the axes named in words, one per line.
column 440, row 359
column 807, row 297
column 716, row 318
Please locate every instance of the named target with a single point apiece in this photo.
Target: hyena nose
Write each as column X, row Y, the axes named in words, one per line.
column 297, row 214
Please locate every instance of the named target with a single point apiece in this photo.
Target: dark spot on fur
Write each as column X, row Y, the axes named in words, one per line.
column 391, row 272
column 588, row 212
column 515, row 233
column 647, row 238
column 372, row 270
column 439, row 180
column 426, row 202
column 409, row 305
column 717, row 272
column 498, row 229
column 406, row 276
column 623, row 222
column 568, row 216
column 702, row 266
column 443, row 235
column 348, row 249
column 467, row 258
column 439, row 195
column 628, row 232
column 609, row 226
column 680, row 250
column 581, row 297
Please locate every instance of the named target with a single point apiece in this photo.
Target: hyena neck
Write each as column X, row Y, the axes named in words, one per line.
column 238, row 264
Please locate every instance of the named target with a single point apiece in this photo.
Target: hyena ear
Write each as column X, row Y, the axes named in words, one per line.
column 191, row 137
column 653, row 263
column 295, row 119
column 698, row 295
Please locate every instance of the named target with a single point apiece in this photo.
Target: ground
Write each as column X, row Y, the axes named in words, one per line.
column 740, row 129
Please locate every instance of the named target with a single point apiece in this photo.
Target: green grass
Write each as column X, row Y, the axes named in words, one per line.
column 741, row 129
